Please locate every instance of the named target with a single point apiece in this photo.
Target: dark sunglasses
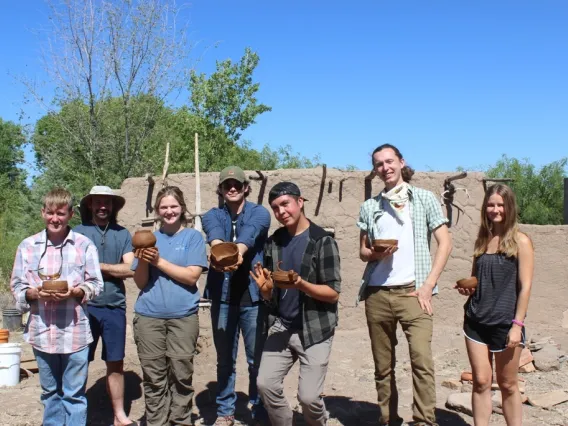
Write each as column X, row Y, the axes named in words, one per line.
column 229, row 184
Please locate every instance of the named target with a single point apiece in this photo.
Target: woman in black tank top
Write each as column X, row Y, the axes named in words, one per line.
column 495, row 310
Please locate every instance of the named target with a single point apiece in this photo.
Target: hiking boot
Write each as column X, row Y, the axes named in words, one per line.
column 225, row 421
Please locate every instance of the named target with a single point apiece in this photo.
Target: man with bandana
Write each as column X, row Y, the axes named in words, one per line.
column 398, row 283
column 107, row 312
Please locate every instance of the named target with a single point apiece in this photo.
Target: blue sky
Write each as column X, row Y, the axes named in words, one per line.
column 451, row 83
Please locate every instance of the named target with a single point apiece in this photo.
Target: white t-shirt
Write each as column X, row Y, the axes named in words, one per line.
column 397, row 269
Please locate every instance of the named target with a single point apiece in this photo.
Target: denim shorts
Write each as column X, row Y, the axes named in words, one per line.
column 492, row 336
column 109, row 324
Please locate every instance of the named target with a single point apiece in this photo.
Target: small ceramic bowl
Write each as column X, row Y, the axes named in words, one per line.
column 53, row 286
column 467, row 283
column 382, row 245
column 225, row 255
column 143, row 239
column 284, row 279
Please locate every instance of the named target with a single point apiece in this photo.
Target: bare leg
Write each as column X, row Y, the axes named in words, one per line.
column 115, row 389
column 507, row 367
column 482, row 371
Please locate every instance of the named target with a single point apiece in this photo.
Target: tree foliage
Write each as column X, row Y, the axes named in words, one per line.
column 539, row 192
column 227, row 98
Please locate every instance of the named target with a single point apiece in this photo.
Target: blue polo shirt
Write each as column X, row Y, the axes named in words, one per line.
column 164, row 297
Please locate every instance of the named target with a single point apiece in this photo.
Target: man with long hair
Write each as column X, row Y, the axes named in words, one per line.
column 398, row 282
column 236, row 302
column 58, row 326
column 107, row 312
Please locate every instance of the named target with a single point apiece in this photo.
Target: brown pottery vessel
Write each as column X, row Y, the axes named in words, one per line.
column 143, row 239
column 225, row 255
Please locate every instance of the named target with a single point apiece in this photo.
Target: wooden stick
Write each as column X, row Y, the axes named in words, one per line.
column 166, row 165
column 197, row 217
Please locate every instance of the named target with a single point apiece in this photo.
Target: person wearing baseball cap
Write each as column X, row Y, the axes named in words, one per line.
column 305, row 310
column 236, row 304
column 107, row 312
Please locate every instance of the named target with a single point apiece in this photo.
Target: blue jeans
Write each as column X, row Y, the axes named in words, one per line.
column 63, row 379
column 227, row 321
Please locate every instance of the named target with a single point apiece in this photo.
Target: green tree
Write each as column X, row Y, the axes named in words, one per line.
column 227, row 98
column 540, row 192
column 15, row 208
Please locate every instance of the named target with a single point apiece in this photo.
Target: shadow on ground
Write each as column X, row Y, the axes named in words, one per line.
column 205, row 402
column 351, row 412
column 99, row 412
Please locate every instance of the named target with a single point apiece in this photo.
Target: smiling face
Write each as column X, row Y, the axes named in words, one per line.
column 101, row 208
column 287, row 209
column 56, row 218
column 495, row 209
column 388, row 167
column 169, row 210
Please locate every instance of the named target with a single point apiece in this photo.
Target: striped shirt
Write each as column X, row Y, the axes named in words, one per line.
column 57, row 327
column 426, row 214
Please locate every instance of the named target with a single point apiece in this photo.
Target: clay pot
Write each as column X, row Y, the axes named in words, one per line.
column 467, row 283
column 143, row 239
column 382, row 245
column 4, row 335
column 284, row 279
column 225, row 255
column 53, row 286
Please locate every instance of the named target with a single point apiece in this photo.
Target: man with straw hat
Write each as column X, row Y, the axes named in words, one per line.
column 107, row 312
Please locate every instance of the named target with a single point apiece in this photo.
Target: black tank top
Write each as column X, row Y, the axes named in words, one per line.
column 494, row 301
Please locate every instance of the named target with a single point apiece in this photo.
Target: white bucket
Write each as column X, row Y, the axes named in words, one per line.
column 10, row 354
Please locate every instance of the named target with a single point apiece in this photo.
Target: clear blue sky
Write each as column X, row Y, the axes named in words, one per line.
column 452, row 83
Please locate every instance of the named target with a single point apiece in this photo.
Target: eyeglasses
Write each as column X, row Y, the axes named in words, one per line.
column 51, row 277
column 229, row 184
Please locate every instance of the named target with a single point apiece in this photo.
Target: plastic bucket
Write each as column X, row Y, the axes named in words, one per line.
column 12, row 319
column 10, row 354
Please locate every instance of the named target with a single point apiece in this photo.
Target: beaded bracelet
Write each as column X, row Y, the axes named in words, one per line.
column 519, row 323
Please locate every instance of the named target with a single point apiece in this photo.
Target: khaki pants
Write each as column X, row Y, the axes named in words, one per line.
column 281, row 350
column 166, row 348
column 384, row 308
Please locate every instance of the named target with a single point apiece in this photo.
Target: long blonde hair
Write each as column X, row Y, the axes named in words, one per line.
column 508, row 244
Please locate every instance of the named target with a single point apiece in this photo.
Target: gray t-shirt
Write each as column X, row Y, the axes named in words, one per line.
column 289, row 303
column 116, row 243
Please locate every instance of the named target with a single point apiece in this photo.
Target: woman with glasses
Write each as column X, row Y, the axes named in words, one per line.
column 166, row 324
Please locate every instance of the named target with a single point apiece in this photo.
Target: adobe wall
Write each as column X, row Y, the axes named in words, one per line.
column 342, row 196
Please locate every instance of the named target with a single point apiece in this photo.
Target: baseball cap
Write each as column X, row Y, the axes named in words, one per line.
column 232, row 172
column 284, row 188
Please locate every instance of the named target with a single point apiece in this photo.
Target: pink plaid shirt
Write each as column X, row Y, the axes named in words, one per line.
column 57, row 327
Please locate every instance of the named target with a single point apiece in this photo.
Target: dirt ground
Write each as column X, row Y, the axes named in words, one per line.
column 349, row 391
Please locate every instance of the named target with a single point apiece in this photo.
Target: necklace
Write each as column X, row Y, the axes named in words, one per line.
column 103, row 233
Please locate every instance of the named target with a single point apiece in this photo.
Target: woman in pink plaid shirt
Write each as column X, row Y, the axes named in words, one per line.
column 58, row 326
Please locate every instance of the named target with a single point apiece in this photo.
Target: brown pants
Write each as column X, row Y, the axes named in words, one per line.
column 384, row 308
column 166, row 348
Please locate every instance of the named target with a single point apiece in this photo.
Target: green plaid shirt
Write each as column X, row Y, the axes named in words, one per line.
column 320, row 265
column 426, row 214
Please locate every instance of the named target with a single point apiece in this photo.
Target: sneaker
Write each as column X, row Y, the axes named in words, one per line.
column 225, row 421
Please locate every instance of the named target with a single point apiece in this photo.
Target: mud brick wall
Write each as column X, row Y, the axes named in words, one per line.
column 343, row 193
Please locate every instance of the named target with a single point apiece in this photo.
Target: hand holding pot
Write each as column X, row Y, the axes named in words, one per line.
column 150, row 255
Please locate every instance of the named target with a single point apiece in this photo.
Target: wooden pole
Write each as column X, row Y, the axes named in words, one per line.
column 197, row 219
